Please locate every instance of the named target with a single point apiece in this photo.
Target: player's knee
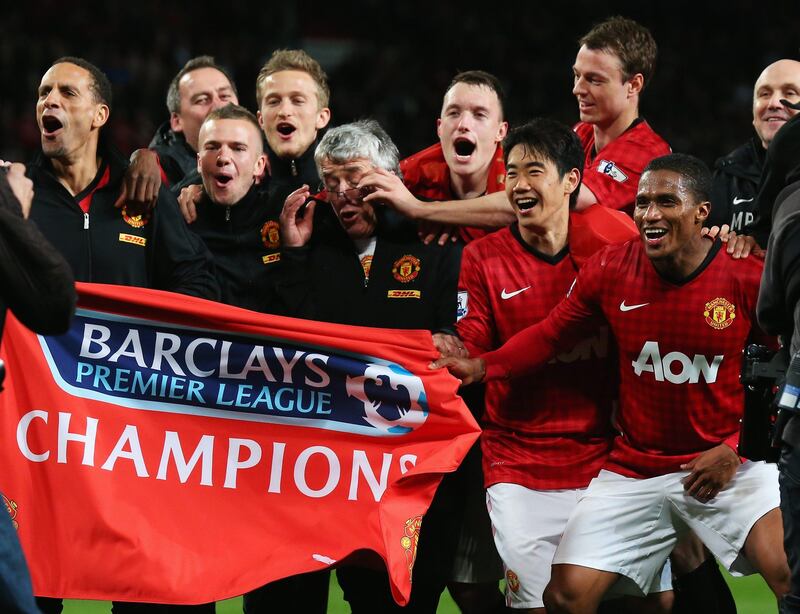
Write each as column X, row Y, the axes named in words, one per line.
column 780, row 580
column 559, row 601
column 477, row 598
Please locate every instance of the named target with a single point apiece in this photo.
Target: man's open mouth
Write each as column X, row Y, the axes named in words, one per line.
column 348, row 217
column 223, row 180
column 525, row 204
column 464, row 147
column 285, row 128
column 653, row 235
column 51, row 124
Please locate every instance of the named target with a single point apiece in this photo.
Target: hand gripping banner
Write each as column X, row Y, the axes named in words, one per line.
column 174, row 450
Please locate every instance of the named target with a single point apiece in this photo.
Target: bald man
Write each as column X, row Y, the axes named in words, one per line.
column 737, row 175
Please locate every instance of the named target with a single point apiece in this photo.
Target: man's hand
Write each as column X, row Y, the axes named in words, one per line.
column 141, row 183
column 739, row 246
column 431, row 231
column 20, row 185
column 187, row 201
column 710, row 472
column 467, row 370
column 449, row 346
column 390, row 189
column 296, row 230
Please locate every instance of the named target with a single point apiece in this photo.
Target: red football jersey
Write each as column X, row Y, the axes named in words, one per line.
column 680, row 348
column 427, row 176
column 612, row 174
column 551, row 430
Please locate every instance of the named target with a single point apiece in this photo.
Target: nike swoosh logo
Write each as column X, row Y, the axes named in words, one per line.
column 507, row 295
column 739, row 201
column 624, row 307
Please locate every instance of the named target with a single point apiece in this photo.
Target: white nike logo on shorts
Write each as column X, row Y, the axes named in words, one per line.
column 507, row 295
column 624, row 307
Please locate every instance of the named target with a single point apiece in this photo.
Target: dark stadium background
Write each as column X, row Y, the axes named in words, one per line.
column 393, row 60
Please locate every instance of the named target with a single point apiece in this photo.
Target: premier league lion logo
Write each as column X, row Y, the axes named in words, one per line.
column 393, row 398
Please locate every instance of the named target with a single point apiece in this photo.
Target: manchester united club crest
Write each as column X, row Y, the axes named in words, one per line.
column 11, row 507
column 512, row 581
column 137, row 221
column 719, row 313
column 271, row 235
column 410, row 540
column 406, row 269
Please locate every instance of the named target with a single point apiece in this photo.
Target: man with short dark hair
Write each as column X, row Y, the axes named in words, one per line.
column 615, row 62
column 467, row 162
column 543, row 438
column 77, row 177
column 737, row 176
column 234, row 217
column 200, row 86
column 674, row 465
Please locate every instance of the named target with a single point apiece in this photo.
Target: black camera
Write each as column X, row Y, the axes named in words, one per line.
column 763, row 370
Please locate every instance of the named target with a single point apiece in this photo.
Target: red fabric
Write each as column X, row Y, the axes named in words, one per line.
column 427, row 176
column 96, row 524
column 86, row 201
column 593, row 228
column 551, row 430
column 679, row 375
column 612, row 174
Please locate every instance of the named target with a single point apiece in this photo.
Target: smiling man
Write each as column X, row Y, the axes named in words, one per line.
column 681, row 310
column 200, row 86
column 737, row 176
column 537, row 457
column 615, row 62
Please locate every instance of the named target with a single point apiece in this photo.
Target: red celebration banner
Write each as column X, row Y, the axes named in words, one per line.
column 173, row 450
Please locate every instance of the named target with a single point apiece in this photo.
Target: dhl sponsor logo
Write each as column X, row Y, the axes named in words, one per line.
column 404, row 294
column 126, row 238
column 270, row 258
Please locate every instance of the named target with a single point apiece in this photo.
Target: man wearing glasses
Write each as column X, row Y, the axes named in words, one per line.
column 354, row 262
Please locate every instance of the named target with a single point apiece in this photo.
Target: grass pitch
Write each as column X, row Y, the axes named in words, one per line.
column 751, row 594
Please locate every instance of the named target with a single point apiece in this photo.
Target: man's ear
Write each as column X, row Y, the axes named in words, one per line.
column 502, row 131
column 175, row 123
column 635, row 84
column 323, row 117
column 572, row 180
column 260, row 165
column 703, row 210
column 101, row 116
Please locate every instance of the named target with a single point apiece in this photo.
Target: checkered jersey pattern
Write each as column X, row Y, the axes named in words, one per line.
column 680, row 351
column 613, row 173
column 551, row 430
